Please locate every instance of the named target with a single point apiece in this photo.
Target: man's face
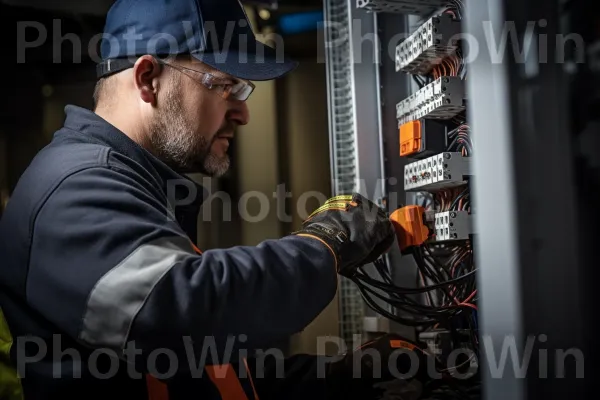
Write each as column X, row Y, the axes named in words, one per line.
column 192, row 126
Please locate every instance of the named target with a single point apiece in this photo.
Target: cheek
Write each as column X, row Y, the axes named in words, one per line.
column 205, row 113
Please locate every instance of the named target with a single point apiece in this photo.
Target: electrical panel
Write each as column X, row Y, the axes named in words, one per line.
column 442, row 171
column 428, row 45
column 441, row 99
column 452, row 225
column 415, row 7
column 436, row 292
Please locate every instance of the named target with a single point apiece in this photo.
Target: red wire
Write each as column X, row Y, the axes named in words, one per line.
column 470, row 297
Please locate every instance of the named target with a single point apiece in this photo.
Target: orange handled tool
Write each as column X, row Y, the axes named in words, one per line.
column 409, row 223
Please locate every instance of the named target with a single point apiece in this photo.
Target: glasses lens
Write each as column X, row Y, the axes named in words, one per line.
column 241, row 91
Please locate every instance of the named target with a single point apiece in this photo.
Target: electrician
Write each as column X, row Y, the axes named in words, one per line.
column 100, row 275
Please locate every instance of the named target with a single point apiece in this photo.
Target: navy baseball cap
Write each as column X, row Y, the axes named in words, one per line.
column 215, row 32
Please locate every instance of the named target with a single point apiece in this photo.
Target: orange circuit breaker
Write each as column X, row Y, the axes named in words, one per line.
column 422, row 138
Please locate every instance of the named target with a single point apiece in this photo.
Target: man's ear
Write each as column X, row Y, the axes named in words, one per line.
column 145, row 72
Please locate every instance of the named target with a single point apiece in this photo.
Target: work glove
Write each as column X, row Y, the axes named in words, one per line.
column 386, row 367
column 355, row 229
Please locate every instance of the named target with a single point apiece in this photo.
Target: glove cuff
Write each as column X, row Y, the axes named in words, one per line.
column 331, row 237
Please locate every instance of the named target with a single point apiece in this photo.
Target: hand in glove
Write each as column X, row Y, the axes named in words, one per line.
column 355, row 229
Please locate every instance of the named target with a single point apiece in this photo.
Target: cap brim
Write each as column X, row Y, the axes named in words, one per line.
column 262, row 64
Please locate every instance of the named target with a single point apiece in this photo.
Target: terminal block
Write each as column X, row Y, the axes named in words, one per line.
column 442, row 171
column 428, row 45
column 452, row 225
column 415, row 7
column 443, row 98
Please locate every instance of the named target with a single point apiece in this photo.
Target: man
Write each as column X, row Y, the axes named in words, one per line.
column 103, row 289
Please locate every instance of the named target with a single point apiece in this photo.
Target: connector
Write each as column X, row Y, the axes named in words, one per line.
column 433, row 41
column 422, row 138
column 409, row 223
column 442, row 171
column 414, row 7
column 441, row 99
column 452, row 225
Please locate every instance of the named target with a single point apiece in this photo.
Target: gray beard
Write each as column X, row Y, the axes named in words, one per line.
column 172, row 140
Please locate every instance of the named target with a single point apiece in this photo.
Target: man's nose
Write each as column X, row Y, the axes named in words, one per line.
column 238, row 112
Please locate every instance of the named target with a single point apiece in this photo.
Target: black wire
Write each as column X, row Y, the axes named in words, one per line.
column 400, row 300
column 404, row 290
column 431, row 271
column 457, row 199
column 393, row 317
column 420, row 81
column 421, row 277
column 437, row 313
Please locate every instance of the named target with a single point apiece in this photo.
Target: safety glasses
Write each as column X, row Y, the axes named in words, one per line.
column 227, row 88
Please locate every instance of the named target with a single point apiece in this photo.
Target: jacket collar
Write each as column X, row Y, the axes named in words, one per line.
column 102, row 132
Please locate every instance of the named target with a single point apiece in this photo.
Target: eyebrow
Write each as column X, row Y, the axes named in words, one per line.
column 214, row 72
column 222, row 75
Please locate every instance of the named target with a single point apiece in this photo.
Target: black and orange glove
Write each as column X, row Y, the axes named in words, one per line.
column 355, row 229
column 389, row 361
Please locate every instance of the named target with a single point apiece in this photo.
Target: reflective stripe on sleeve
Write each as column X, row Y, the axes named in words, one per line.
column 121, row 293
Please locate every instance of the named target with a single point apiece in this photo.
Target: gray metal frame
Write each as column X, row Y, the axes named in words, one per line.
column 497, row 245
column 373, row 112
column 354, row 119
column 527, row 252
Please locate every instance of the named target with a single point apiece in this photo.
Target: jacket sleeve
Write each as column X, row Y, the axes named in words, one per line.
column 109, row 267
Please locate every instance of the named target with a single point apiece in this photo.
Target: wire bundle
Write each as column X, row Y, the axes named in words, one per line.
column 455, row 8
column 422, row 81
column 444, row 297
column 446, row 283
column 456, row 199
column 450, row 66
column 461, row 140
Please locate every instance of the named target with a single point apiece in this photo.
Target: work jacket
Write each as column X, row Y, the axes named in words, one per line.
column 107, row 297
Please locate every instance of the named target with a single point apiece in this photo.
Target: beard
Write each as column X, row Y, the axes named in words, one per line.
column 173, row 139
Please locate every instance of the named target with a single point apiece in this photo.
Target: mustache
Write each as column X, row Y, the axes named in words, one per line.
column 229, row 127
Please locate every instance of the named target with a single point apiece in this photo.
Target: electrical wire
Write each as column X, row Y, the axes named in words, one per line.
column 448, row 292
column 455, row 8
column 461, row 141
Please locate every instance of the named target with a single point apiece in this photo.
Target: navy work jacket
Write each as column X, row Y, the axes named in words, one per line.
column 104, row 291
